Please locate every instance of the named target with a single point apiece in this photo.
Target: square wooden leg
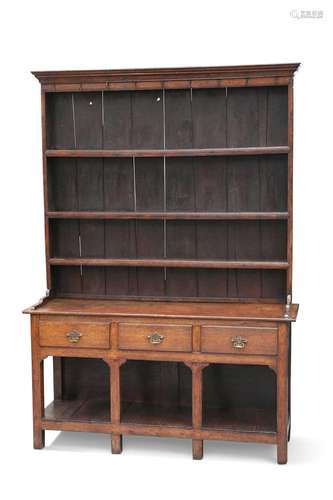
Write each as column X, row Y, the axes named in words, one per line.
column 282, row 451
column 37, row 388
column 197, row 449
column 116, row 444
column 282, row 395
column 39, row 438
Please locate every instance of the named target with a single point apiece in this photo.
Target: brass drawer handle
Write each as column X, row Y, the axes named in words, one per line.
column 74, row 336
column 155, row 338
column 238, row 342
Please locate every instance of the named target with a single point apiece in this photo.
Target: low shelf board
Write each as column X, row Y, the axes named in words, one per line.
column 168, row 238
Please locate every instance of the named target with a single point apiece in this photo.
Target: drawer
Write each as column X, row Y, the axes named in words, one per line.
column 155, row 337
column 238, row 340
column 74, row 334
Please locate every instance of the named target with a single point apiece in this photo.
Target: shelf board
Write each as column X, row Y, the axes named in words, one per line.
column 78, row 410
column 128, row 153
column 191, row 263
column 240, row 420
column 169, row 215
column 98, row 410
column 152, row 414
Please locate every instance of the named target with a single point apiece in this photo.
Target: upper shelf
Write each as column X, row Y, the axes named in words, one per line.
column 107, row 153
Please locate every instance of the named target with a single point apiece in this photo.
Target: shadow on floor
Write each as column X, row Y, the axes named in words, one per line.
column 300, row 450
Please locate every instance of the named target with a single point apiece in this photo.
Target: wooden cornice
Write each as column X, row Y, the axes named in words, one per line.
column 166, row 74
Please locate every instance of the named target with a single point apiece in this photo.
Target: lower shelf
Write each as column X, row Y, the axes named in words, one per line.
column 153, row 414
column 98, row 410
column 239, row 420
column 77, row 410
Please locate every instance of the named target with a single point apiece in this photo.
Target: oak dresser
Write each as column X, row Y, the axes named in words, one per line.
column 168, row 237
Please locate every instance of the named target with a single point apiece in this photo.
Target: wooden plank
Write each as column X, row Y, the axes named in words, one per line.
column 209, row 109
column 93, row 281
column 181, row 240
column 242, row 117
column 149, row 184
column 169, row 215
column 181, row 282
column 90, row 183
column 277, row 116
column 62, row 184
column 105, row 153
column 212, row 239
column 150, row 281
column 274, row 239
column 178, row 119
column 210, row 177
column 212, row 283
column 149, row 239
column 118, row 184
column 92, row 238
column 274, row 184
column 117, row 120
column 59, row 121
column 116, row 281
column 180, row 184
column 245, row 283
column 214, row 264
column 274, row 284
column 65, row 238
column 67, row 279
column 120, row 239
column 243, row 184
column 244, row 241
column 147, row 119
column 88, row 120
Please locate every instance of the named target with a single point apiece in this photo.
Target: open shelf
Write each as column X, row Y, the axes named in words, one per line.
column 154, row 414
column 128, row 153
column 182, row 263
column 156, row 393
column 239, row 398
column 168, row 215
column 240, row 420
column 77, row 410
column 212, row 222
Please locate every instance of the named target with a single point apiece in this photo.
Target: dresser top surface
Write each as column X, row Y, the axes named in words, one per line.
column 157, row 309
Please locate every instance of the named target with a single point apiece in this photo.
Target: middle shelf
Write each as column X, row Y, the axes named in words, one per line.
column 132, row 215
column 183, row 263
column 129, row 153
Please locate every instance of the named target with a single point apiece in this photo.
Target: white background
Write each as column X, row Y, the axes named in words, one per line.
column 125, row 34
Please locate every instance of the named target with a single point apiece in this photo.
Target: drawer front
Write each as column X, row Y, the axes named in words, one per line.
column 74, row 334
column 155, row 337
column 238, row 340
